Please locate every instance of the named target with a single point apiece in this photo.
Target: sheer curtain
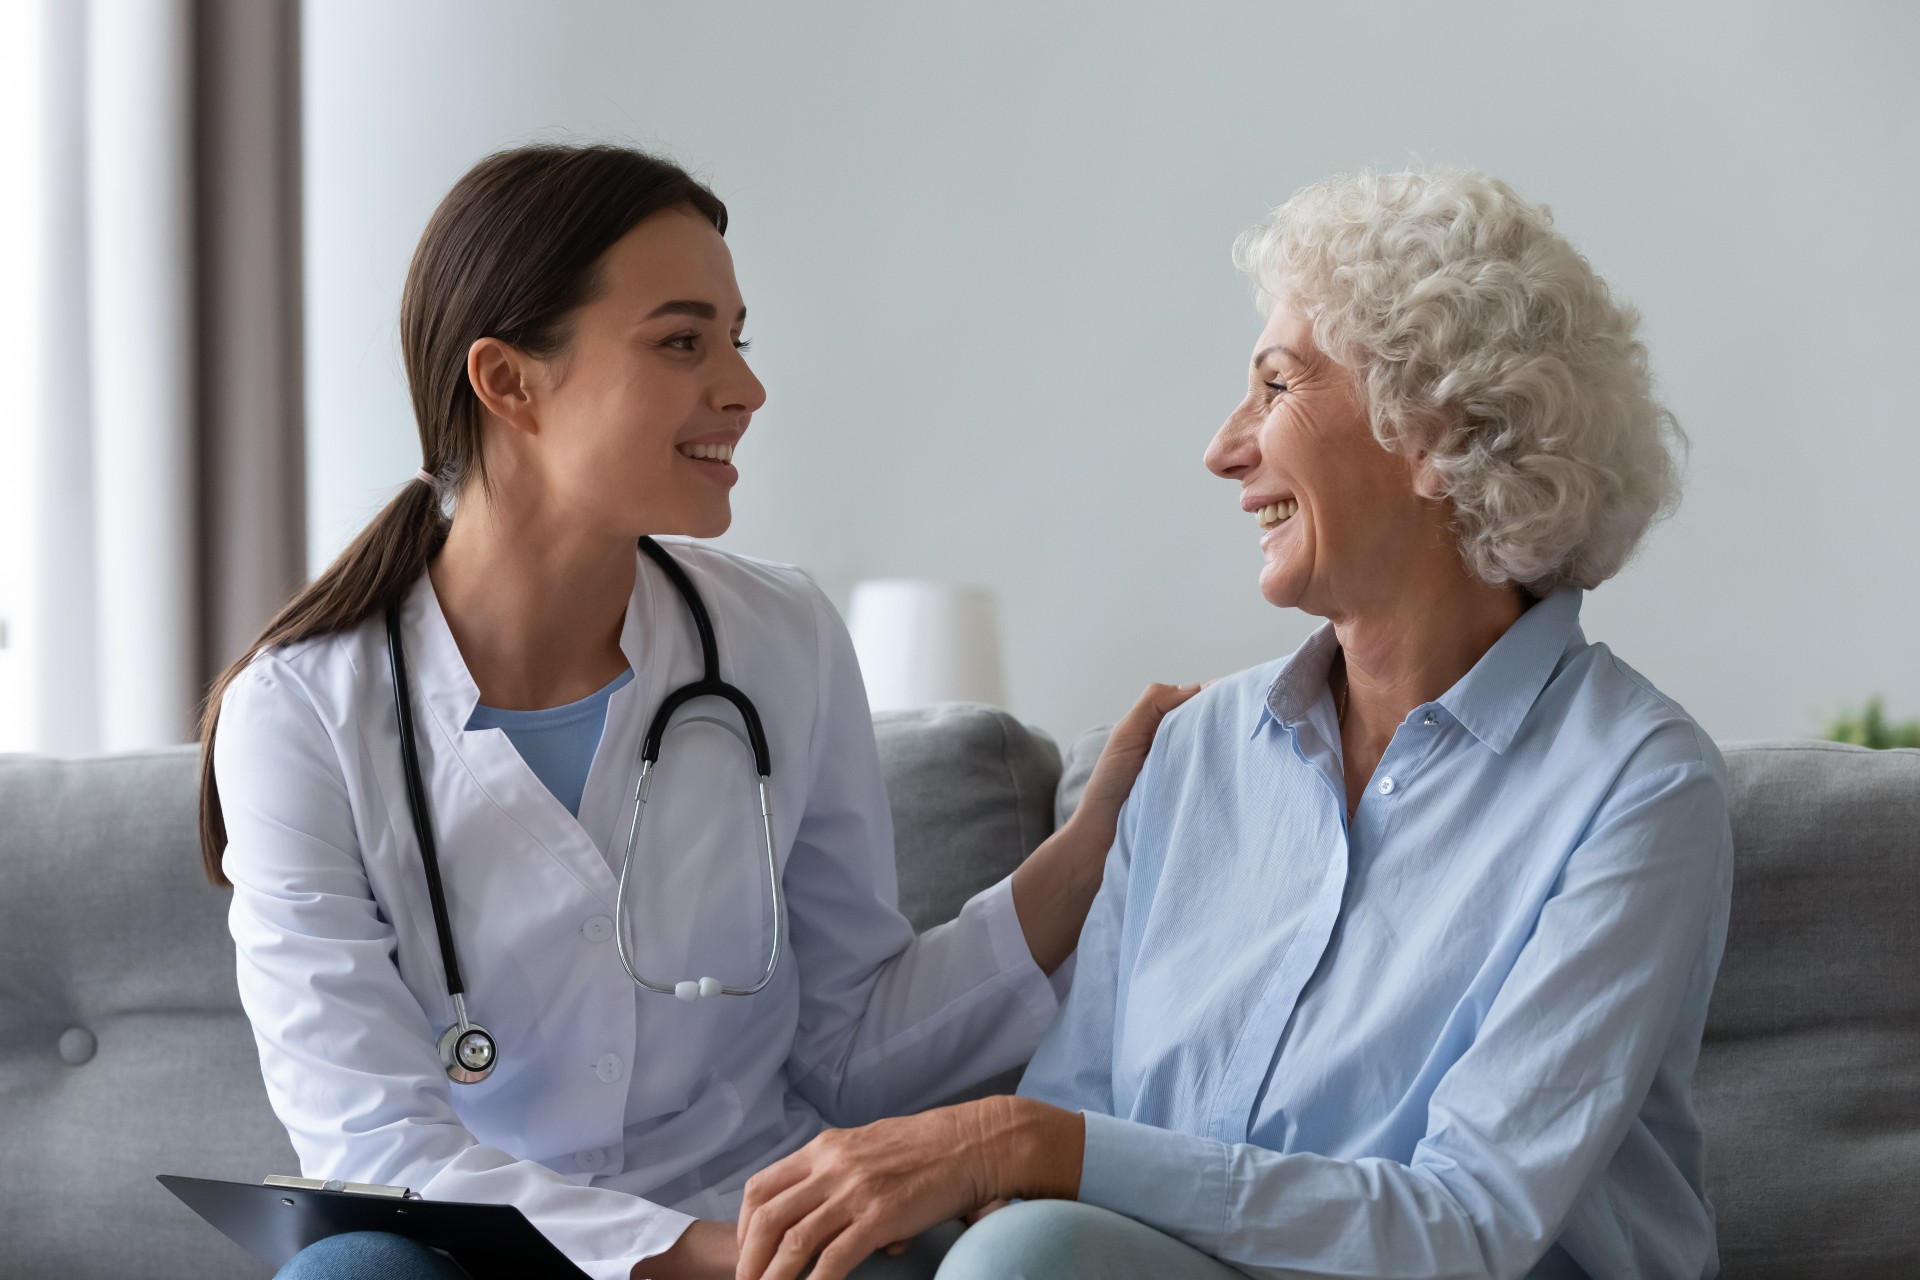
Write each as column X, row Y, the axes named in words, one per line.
column 163, row 445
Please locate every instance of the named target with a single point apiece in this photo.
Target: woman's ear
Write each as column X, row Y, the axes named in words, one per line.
column 1428, row 482
column 501, row 379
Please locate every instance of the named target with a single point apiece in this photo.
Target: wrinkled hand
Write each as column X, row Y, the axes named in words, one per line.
column 991, row 1206
column 851, row 1192
column 1126, row 750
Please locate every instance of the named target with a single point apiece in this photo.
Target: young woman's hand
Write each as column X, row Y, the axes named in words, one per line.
column 852, row 1192
column 1119, row 764
column 1054, row 887
column 704, row 1251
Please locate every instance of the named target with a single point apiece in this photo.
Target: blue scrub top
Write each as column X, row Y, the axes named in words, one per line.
column 557, row 743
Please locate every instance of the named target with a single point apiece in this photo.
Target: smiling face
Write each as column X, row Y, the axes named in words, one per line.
column 631, row 428
column 1341, row 520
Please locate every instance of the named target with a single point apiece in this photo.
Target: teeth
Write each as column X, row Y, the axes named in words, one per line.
column 715, row 452
column 1274, row 512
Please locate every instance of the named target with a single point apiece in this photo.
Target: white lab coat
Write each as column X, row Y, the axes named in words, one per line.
column 615, row 1115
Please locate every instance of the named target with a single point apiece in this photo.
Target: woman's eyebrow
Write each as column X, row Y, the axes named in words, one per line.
column 685, row 307
column 1264, row 352
column 689, row 307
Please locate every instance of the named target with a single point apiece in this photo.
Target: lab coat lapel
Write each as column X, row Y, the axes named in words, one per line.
column 606, row 803
column 444, row 687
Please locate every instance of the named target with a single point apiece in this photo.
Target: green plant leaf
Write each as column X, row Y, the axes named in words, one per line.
column 1869, row 727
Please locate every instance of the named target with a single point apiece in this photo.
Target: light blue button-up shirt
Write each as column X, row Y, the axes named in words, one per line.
column 1454, row 1037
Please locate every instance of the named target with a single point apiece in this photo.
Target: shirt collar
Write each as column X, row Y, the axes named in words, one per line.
column 1494, row 697
column 1301, row 682
column 1491, row 700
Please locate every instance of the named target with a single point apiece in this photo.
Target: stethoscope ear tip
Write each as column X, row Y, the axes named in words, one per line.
column 691, row 990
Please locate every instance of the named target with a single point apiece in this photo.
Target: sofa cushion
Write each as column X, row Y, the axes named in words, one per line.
column 123, row 1049
column 1809, row 1080
column 972, row 792
column 1076, row 769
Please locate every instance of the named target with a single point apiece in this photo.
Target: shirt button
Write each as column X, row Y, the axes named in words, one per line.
column 591, row 1160
column 609, row 1068
column 597, row 929
column 1386, row 786
column 1431, row 720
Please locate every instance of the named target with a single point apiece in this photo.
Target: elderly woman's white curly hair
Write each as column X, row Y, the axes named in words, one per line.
column 1479, row 335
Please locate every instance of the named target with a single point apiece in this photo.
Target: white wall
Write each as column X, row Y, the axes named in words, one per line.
column 985, row 248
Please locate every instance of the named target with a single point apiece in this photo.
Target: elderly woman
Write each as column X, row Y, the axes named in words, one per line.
column 1403, row 951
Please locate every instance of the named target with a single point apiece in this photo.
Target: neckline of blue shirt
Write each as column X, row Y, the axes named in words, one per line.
column 485, row 717
column 1491, row 700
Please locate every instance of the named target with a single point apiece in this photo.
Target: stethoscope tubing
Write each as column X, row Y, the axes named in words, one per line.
column 417, row 803
column 689, row 989
column 467, row 1052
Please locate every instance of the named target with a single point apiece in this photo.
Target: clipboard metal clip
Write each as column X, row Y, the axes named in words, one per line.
column 335, row 1184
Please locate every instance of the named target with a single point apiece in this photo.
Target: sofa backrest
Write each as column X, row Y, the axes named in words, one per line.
column 1809, row 1080
column 123, row 1050
column 972, row 791
column 124, row 1053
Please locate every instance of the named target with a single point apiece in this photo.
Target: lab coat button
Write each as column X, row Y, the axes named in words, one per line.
column 597, row 929
column 591, row 1160
column 1386, row 786
column 609, row 1068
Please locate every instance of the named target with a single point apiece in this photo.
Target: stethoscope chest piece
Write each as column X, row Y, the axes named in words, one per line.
column 468, row 1053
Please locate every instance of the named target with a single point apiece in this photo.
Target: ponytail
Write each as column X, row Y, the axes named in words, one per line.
column 372, row 575
column 511, row 253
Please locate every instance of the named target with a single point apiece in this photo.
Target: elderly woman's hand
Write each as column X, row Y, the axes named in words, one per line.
column 1054, row 887
column 851, row 1192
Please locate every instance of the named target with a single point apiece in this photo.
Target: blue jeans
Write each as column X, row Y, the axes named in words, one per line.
column 1067, row 1240
column 369, row 1255
column 376, row 1255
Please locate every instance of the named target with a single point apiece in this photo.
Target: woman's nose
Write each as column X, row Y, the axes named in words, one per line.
column 1233, row 448
column 742, row 393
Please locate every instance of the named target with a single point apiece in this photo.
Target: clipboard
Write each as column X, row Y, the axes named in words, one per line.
column 274, row 1222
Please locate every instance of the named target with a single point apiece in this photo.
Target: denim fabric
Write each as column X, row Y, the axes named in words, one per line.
column 370, row 1255
column 377, row 1255
column 1067, row 1240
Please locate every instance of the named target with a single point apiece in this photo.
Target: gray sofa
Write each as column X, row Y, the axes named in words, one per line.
column 123, row 1051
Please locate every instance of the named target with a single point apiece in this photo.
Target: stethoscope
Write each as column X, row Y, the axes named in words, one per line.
column 467, row 1049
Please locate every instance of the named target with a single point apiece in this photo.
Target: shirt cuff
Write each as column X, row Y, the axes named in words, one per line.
column 1011, row 955
column 1173, row 1182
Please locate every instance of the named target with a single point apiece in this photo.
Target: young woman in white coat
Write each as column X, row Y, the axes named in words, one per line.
column 571, row 329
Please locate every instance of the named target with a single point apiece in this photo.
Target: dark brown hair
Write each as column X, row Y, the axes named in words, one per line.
column 511, row 253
